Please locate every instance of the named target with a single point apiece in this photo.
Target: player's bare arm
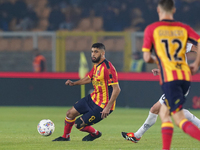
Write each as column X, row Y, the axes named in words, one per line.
column 194, row 67
column 115, row 93
column 149, row 58
column 85, row 80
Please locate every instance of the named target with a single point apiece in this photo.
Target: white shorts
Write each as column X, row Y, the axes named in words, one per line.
column 162, row 98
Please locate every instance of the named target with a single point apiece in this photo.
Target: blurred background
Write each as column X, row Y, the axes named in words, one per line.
column 67, row 27
column 50, row 35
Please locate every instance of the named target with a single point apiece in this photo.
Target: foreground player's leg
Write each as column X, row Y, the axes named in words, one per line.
column 180, row 120
column 187, row 126
column 153, row 114
column 152, row 118
column 192, row 117
column 166, row 127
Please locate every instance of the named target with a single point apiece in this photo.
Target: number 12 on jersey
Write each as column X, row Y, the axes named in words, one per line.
column 167, row 49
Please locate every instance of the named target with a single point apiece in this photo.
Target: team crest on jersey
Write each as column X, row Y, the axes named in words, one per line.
column 179, row 66
column 98, row 72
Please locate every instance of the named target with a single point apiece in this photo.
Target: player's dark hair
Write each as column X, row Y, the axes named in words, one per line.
column 99, row 46
column 166, row 5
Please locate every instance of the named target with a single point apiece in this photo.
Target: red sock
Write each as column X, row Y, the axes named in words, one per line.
column 68, row 127
column 167, row 132
column 190, row 129
column 90, row 130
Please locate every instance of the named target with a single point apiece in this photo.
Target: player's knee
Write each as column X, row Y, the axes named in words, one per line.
column 71, row 113
column 79, row 123
column 68, row 114
column 155, row 108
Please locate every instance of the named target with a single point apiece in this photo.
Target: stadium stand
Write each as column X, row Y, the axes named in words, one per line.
column 81, row 16
column 87, row 15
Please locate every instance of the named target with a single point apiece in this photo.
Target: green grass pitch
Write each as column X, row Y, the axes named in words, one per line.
column 18, row 131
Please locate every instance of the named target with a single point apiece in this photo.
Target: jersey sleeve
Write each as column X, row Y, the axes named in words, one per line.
column 90, row 74
column 111, row 75
column 148, row 40
column 193, row 36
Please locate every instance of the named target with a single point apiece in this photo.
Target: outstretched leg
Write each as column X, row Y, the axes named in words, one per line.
column 187, row 126
column 152, row 118
column 167, row 127
column 150, row 121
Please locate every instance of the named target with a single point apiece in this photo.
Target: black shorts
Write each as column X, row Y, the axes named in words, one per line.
column 175, row 94
column 91, row 112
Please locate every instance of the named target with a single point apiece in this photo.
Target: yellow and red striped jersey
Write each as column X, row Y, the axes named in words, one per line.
column 169, row 39
column 103, row 76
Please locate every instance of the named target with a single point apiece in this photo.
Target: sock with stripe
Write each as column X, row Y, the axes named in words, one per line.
column 190, row 129
column 68, row 127
column 167, row 132
column 90, row 130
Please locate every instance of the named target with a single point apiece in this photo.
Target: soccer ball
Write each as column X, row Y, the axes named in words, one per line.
column 45, row 127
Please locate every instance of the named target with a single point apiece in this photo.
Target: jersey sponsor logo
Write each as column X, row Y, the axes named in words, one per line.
column 97, row 83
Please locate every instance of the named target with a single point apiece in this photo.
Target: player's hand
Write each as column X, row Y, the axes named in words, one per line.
column 194, row 68
column 105, row 112
column 155, row 71
column 69, row 82
column 194, row 48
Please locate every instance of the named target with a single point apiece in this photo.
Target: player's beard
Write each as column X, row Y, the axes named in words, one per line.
column 97, row 59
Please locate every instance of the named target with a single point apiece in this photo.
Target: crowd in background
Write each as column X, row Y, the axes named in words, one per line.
column 117, row 15
column 24, row 15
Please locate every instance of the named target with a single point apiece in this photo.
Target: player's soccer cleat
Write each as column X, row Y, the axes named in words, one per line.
column 130, row 137
column 89, row 137
column 62, row 139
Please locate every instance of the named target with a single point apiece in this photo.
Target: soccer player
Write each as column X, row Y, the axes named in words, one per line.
column 97, row 105
column 153, row 113
column 169, row 38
